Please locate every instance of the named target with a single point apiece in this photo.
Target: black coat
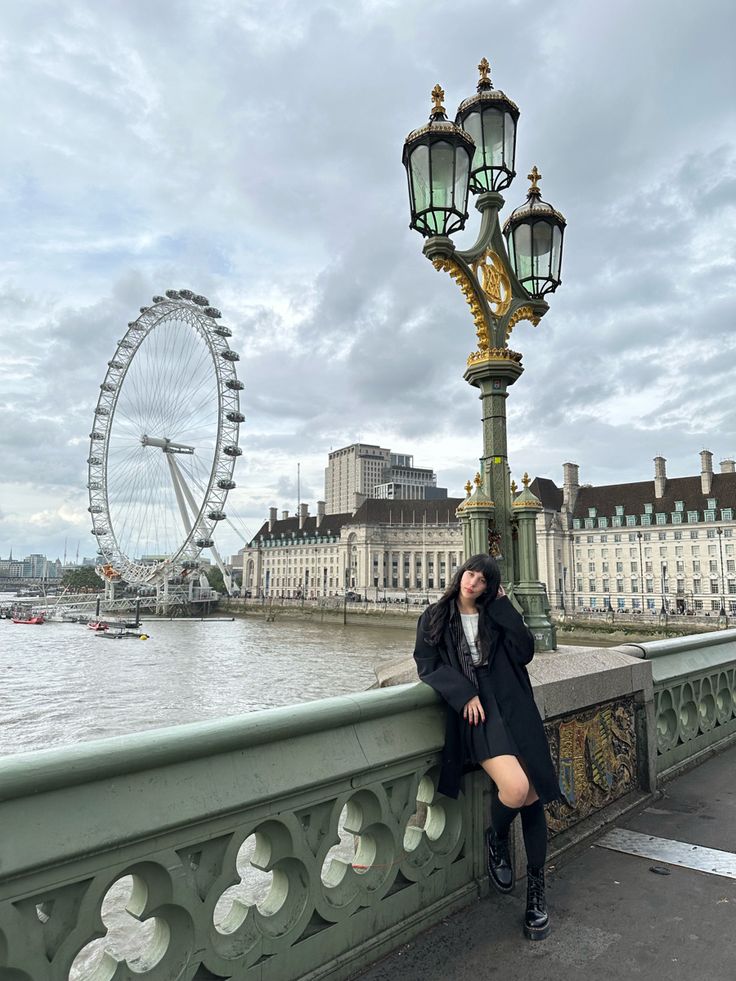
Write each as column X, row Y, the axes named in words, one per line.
column 439, row 667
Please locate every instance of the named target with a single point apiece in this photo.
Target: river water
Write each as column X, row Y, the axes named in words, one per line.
column 62, row 683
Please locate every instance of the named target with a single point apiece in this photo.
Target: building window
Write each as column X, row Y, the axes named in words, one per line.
column 679, row 506
column 617, row 520
column 604, row 538
column 636, row 604
column 732, row 586
column 715, row 605
column 576, row 523
column 730, row 565
column 710, row 533
column 646, row 519
column 606, row 586
column 602, row 522
column 634, row 586
column 677, row 536
column 589, row 523
column 630, row 520
column 591, row 567
column 661, row 518
column 726, row 514
column 619, row 510
column 698, row 605
column 604, row 567
column 617, row 538
column 692, row 517
column 619, row 567
column 712, row 503
column 696, row 585
column 619, row 585
column 591, row 584
column 648, row 509
column 650, row 586
column 694, row 534
column 714, row 585
column 710, row 515
column 696, row 566
column 579, row 585
column 650, row 604
column 647, row 536
column 676, row 518
column 632, row 538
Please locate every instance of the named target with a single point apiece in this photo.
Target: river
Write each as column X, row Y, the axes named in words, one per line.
column 64, row 684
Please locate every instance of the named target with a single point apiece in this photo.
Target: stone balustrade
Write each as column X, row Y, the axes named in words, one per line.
column 694, row 695
column 291, row 843
column 305, row 842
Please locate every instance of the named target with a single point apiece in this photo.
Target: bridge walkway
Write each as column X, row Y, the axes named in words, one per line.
column 613, row 917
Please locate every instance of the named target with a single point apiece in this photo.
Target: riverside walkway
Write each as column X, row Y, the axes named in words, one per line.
column 613, row 918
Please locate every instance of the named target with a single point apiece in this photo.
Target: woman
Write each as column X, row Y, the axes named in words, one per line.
column 472, row 647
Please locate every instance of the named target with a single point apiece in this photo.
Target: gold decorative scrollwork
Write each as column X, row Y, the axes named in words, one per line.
column 494, row 282
column 494, row 354
column 521, row 313
column 469, row 292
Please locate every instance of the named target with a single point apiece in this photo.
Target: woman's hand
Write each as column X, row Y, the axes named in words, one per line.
column 501, row 592
column 473, row 712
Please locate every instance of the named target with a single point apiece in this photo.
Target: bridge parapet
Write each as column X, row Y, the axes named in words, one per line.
column 302, row 842
column 694, row 682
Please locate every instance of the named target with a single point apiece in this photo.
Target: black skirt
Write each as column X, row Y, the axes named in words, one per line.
column 492, row 737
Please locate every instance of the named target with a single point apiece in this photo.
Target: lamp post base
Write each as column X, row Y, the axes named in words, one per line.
column 532, row 597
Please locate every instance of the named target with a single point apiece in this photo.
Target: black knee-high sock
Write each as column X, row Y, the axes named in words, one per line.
column 534, row 827
column 501, row 816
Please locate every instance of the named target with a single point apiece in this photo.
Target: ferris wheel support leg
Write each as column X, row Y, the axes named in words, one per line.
column 181, row 489
column 181, row 486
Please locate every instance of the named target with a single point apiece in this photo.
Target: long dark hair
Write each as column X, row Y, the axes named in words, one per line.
column 442, row 610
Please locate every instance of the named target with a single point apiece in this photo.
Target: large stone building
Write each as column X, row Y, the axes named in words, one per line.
column 381, row 549
column 643, row 546
column 361, row 471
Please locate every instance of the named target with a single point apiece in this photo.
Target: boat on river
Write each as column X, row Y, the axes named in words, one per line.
column 34, row 619
column 98, row 625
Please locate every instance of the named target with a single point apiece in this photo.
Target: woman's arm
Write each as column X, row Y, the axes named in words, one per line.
column 517, row 638
column 447, row 681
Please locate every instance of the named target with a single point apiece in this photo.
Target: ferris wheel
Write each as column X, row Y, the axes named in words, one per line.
column 164, row 441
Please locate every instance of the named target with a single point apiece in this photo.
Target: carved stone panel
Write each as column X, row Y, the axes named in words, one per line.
column 595, row 754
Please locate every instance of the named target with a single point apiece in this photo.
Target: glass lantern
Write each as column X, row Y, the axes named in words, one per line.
column 534, row 234
column 490, row 117
column 437, row 158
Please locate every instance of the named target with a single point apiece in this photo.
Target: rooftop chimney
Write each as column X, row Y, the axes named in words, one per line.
column 570, row 485
column 284, row 515
column 272, row 512
column 728, row 466
column 303, row 514
column 706, row 471
column 320, row 512
column 660, row 476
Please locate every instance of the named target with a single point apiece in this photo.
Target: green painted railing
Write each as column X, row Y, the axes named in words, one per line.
column 694, row 695
column 291, row 843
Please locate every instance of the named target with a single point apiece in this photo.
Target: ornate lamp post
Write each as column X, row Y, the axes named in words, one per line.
column 444, row 161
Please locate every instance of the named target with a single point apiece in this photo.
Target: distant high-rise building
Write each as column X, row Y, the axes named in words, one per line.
column 362, row 470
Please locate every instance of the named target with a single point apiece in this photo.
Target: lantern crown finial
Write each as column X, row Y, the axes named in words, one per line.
column 438, row 97
column 535, row 177
column 468, row 488
column 485, row 78
column 525, row 480
column 477, row 480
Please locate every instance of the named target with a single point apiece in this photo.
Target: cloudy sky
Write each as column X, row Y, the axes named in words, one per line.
column 251, row 150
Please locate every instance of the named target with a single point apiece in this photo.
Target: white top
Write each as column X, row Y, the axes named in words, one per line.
column 470, row 628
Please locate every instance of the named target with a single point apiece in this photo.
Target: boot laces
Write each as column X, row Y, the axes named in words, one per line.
column 536, row 890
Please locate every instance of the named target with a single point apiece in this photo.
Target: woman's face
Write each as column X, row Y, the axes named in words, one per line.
column 472, row 584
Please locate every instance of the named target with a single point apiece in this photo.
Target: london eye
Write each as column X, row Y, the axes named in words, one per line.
column 164, row 441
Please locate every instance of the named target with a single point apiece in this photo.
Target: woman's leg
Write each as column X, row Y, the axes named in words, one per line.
column 512, row 789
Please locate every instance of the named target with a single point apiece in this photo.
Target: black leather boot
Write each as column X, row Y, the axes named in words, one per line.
column 499, row 862
column 536, row 922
